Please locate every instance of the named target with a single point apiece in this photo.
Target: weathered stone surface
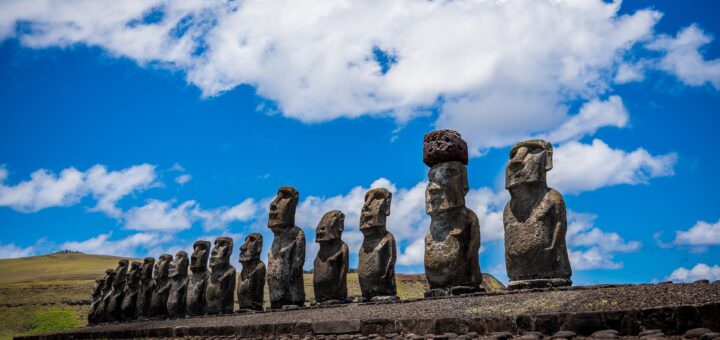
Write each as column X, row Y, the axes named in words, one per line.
column 378, row 252
column 158, row 301
column 535, row 221
column 444, row 146
column 146, row 288
column 101, row 289
column 130, row 295
column 178, row 274
column 220, row 292
column 331, row 264
column 114, row 304
column 287, row 252
column 453, row 240
column 251, row 283
column 199, row 275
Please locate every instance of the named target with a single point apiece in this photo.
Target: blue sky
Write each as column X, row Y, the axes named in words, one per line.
column 134, row 128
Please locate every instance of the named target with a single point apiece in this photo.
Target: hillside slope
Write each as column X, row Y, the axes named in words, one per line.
column 49, row 293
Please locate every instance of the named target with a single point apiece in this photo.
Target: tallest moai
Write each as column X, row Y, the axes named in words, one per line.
column 453, row 241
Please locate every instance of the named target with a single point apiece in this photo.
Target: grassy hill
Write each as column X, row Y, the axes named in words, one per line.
column 49, row 293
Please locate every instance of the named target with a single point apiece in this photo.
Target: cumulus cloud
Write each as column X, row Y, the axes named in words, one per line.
column 496, row 70
column 593, row 248
column 10, row 251
column 699, row 237
column 134, row 245
column 582, row 167
column 45, row 189
column 701, row 271
column 157, row 215
column 592, row 116
column 182, row 179
column 682, row 57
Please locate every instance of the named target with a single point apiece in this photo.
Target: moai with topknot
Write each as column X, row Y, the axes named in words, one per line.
column 287, row 252
column 102, row 306
column 158, row 302
column 178, row 274
column 331, row 264
column 130, row 295
column 453, row 240
column 251, row 281
column 220, row 291
column 378, row 252
column 146, row 288
column 97, row 295
column 114, row 308
column 199, row 275
column 535, row 220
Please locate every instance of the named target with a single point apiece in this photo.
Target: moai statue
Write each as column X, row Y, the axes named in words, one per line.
column 97, row 295
column 145, row 290
column 199, row 274
column 376, row 269
column 331, row 264
column 114, row 308
column 178, row 274
column 251, row 284
column 535, row 220
column 158, row 302
column 287, row 252
column 220, row 291
column 130, row 295
column 453, row 241
column 101, row 309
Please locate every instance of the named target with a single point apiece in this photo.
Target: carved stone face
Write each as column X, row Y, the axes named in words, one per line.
column 282, row 209
column 179, row 266
column 109, row 277
column 447, row 188
column 330, row 227
column 529, row 162
column 376, row 208
column 162, row 267
column 200, row 255
column 147, row 269
column 251, row 248
column 134, row 272
column 221, row 252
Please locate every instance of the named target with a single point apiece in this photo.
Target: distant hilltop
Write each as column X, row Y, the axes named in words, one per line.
column 68, row 251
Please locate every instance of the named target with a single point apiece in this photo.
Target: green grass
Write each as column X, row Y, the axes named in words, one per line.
column 50, row 293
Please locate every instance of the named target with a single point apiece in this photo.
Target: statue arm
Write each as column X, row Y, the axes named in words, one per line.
column 299, row 258
column 474, row 244
column 345, row 259
column 392, row 253
column 560, row 222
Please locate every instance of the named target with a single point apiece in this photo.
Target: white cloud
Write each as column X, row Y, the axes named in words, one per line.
column 182, row 179
column 683, row 59
column 499, row 70
column 584, row 167
column 592, row 116
column 45, row 189
column 160, row 215
column 220, row 217
column 699, row 272
column 10, row 250
column 592, row 248
column 698, row 237
column 134, row 245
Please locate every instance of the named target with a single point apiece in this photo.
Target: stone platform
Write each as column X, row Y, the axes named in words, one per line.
column 628, row 309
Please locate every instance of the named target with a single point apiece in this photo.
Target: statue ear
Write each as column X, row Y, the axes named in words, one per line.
column 549, row 160
column 389, row 203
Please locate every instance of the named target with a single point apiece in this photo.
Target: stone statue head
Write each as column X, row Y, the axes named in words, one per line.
column 330, row 227
column 447, row 187
column 99, row 285
column 200, row 255
column 529, row 162
column 162, row 267
column 251, row 248
column 147, row 269
column 120, row 274
column 376, row 208
column 179, row 266
column 282, row 209
column 133, row 275
column 221, row 252
column 109, row 277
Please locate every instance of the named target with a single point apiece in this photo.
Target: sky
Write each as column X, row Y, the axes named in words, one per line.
column 133, row 128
